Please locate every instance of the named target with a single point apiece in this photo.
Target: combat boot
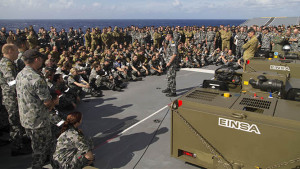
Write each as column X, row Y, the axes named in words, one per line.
column 167, row 90
column 171, row 94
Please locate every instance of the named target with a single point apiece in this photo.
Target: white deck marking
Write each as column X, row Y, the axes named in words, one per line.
column 199, row 70
column 124, row 131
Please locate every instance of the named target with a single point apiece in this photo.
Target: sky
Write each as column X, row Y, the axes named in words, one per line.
column 147, row 9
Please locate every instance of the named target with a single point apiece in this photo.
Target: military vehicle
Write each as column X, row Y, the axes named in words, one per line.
column 276, row 63
column 240, row 120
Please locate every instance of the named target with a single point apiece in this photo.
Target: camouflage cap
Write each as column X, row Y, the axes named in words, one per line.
column 32, row 54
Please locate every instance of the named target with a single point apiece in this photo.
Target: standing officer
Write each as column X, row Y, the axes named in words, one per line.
column 226, row 36
column 210, row 40
column 171, row 57
column 177, row 35
column 251, row 46
column 35, row 103
column 94, row 39
column 277, row 42
column 157, row 39
column 266, row 41
column 295, row 41
column 88, row 39
column 240, row 41
column 8, row 73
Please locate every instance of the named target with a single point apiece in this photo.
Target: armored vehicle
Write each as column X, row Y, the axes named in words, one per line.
column 249, row 120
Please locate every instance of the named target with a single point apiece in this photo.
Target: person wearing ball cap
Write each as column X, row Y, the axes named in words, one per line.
column 251, row 46
column 35, row 103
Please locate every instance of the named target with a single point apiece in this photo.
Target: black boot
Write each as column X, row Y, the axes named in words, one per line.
column 171, row 94
column 167, row 90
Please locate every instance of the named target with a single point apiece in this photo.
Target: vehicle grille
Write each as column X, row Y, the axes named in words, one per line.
column 256, row 103
column 202, row 95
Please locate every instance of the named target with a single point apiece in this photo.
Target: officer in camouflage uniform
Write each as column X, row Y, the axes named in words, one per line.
column 32, row 39
column 95, row 39
column 155, row 68
column 8, row 73
column 116, row 35
column 277, row 43
column 218, row 38
column 188, row 36
column 110, row 37
column 266, row 40
column 202, row 36
column 73, row 149
column 197, row 35
column 226, row 36
column 251, row 46
column 171, row 56
column 34, row 102
column 143, row 36
column 104, row 38
column 107, row 78
column 157, row 39
column 88, row 39
column 177, row 35
column 240, row 39
column 210, row 40
column 295, row 41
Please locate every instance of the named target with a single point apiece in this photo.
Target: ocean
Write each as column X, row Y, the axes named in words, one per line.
column 101, row 23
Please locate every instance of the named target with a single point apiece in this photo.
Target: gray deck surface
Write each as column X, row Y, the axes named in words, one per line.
column 286, row 21
column 255, row 21
column 277, row 21
column 146, row 145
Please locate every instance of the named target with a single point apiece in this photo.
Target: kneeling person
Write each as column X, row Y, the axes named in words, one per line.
column 73, row 149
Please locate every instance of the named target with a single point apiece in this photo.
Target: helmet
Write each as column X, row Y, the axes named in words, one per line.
column 286, row 48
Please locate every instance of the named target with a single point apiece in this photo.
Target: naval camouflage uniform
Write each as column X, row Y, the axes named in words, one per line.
column 171, row 50
column 266, row 42
column 210, row 37
column 295, row 45
column 197, row 38
column 278, row 44
column 241, row 39
column 188, row 37
column 32, row 91
column 202, row 38
column 70, row 149
column 177, row 36
column 8, row 73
